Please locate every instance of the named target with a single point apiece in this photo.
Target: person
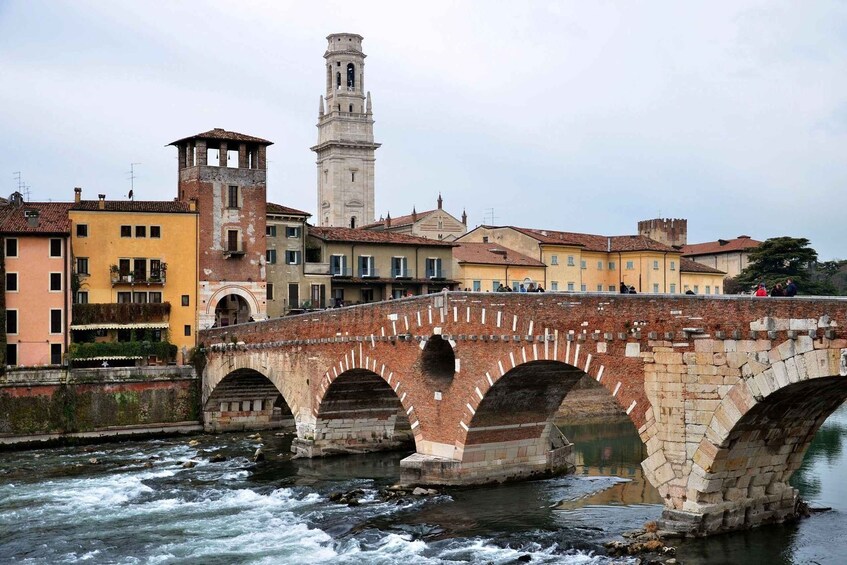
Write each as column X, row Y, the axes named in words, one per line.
column 522, row 288
column 624, row 288
column 777, row 290
column 790, row 288
column 501, row 288
column 761, row 291
column 539, row 288
column 632, row 290
column 531, row 287
column 689, row 291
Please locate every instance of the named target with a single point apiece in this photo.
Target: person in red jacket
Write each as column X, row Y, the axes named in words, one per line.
column 761, row 291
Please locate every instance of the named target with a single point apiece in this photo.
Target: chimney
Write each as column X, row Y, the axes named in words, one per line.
column 102, row 204
column 414, row 215
column 77, row 194
column 440, row 201
column 388, row 220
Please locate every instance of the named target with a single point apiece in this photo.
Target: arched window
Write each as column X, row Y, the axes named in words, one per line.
column 351, row 108
column 338, row 79
column 352, row 222
column 351, row 75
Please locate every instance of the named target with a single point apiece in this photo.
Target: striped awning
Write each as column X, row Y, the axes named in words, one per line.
column 142, row 326
column 109, row 358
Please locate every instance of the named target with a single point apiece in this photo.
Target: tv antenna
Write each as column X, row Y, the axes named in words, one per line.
column 489, row 218
column 23, row 188
column 131, row 174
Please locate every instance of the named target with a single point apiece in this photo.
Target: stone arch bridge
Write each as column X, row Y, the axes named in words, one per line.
column 726, row 392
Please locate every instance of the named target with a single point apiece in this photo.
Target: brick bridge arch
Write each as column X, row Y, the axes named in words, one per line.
column 673, row 363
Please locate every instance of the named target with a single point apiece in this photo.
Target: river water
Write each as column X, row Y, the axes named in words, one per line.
column 137, row 504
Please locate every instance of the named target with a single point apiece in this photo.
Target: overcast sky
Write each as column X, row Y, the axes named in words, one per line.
column 578, row 116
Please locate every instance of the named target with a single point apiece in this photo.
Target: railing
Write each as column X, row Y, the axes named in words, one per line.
column 137, row 278
column 370, row 273
column 124, row 313
column 402, row 274
column 341, row 272
column 435, row 273
column 315, row 268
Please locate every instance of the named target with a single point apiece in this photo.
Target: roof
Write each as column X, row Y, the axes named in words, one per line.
column 591, row 242
column 359, row 235
column 691, row 266
column 740, row 243
column 492, row 254
column 280, row 209
column 402, row 220
column 52, row 218
column 161, row 206
column 224, row 135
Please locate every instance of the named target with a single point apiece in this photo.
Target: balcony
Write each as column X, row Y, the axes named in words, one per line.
column 435, row 273
column 341, row 272
column 316, row 268
column 402, row 274
column 124, row 313
column 369, row 273
column 138, row 278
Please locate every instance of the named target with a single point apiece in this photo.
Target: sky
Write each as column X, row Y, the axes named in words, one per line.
column 574, row 116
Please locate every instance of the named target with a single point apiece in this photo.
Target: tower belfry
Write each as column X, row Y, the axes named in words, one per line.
column 345, row 148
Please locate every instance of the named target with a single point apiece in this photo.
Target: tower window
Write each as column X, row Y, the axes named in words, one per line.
column 338, row 79
column 353, row 176
column 351, row 76
column 232, row 200
column 351, row 108
column 352, row 222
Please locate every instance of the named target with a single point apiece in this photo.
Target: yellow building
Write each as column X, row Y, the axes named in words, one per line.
column 140, row 253
column 700, row 279
column 483, row 267
column 590, row 263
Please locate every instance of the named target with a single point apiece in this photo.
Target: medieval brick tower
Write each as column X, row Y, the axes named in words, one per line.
column 346, row 145
column 224, row 175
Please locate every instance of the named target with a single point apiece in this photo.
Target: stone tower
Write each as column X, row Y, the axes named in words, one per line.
column 224, row 175
column 670, row 231
column 346, row 145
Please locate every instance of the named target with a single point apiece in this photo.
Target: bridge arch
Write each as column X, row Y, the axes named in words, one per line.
column 246, row 399
column 758, row 437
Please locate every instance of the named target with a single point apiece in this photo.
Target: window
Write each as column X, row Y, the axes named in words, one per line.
column 82, row 297
column 139, row 297
column 570, row 286
column 292, row 231
column 570, row 261
column 82, row 265
column 292, row 257
column 232, row 242
column 11, row 282
column 82, row 230
column 338, row 265
column 717, row 290
column 599, row 288
column 126, row 231
column 186, row 329
column 673, row 288
column 270, row 231
column 55, row 321
column 11, row 321
column 353, row 222
column 11, row 247
column 156, row 272
column 612, row 288
column 55, row 282
column 124, row 297
column 269, row 291
column 270, row 256
column 495, row 285
column 155, row 297
column 399, row 268
column 55, row 247
column 655, row 265
column 156, row 231
column 655, row 288
column 485, row 239
column 139, row 269
column 630, row 265
column 367, row 295
column 433, row 268
column 611, row 265
column 554, row 259
column 11, row 354
column 352, row 173
column 55, row 353
column 123, row 268
column 477, row 286
column 232, row 197
column 582, row 288
column 696, row 288
column 140, row 231
column 554, row 285
column 673, row 265
column 185, row 300
column 366, row 266
column 708, row 289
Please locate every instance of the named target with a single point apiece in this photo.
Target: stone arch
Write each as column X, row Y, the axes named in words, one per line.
column 246, row 399
column 438, row 359
column 214, row 300
column 758, row 436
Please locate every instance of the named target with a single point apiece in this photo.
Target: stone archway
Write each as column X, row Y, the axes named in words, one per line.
column 245, row 399
column 232, row 309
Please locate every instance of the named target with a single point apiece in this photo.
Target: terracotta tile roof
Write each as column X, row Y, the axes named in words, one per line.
column 492, row 254
column 691, row 266
column 162, row 206
column 52, row 218
column 591, row 242
column 222, row 134
column 280, row 209
column 740, row 243
column 401, row 220
column 359, row 235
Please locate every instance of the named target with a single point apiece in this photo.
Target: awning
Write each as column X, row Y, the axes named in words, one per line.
column 109, row 358
column 141, row 326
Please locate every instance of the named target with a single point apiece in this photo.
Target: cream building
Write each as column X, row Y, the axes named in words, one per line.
column 285, row 234
column 728, row 255
column 431, row 224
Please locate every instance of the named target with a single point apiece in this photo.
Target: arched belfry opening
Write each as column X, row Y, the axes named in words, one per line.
column 438, row 361
column 246, row 400
column 351, row 76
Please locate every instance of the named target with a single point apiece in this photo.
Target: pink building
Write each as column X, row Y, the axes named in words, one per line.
column 37, row 261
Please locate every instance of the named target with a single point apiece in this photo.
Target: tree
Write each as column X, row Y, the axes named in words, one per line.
column 781, row 258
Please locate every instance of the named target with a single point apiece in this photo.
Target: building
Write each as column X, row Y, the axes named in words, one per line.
column 588, row 262
column 699, row 278
column 672, row 232
column 432, row 224
column 285, row 233
column 486, row 266
column 134, row 252
column 37, row 264
column 224, row 174
column 345, row 148
column 367, row 266
column 728, row 255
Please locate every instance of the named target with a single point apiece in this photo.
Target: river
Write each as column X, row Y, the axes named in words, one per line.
column 138, row 504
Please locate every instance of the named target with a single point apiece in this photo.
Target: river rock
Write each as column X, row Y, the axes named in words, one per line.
column 189, row 464
column 217, row 458
column 194, row 443
column 259, row 455
column 94, row 461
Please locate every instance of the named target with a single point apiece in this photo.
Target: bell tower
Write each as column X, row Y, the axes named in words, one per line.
column 345, row 149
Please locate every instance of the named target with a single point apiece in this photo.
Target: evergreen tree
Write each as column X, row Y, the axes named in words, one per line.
column 781, row 258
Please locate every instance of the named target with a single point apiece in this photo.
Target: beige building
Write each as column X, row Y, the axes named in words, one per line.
column 366, row 266
column 483, row 267
column 285, row 233
column 700, row 279
column 728, row 255
column 431, row 224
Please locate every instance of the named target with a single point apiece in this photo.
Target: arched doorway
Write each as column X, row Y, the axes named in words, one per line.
column 232, row 309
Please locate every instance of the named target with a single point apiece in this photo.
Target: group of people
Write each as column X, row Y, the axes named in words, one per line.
column 627, row 289
column 521, row 288
column 790, row 289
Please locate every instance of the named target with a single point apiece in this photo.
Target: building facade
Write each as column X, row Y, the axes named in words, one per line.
column 225, row 174
column 484, row 267
column 431, row 224
column 700, row 279
column 37, row 264
column 345, row 148
column 285, row 232
column 728, row 255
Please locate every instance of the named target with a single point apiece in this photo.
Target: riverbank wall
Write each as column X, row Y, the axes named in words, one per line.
column 49, row 405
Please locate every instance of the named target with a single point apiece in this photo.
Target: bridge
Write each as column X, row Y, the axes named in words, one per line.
column 726, row 392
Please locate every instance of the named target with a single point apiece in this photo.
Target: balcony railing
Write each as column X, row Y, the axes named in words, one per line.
column 402, row 274
column 340, row 272
column 435, row 273
column 138, row 278
column 315, row 268
column 124, row 313
column 369, row 273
